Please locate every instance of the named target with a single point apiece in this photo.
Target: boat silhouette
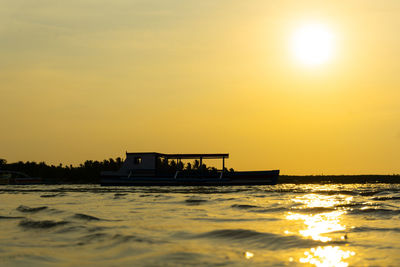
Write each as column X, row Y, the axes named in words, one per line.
column 153, row 169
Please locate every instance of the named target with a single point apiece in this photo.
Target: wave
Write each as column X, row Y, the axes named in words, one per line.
column 235, row 219
column 335, row 192
column 279, row 209
column 114, row 239
column 369, row 229
column 85, row 217
column 96, row 237
column 375, row 211
column 119, row 195
column 45, row 224
column 195, row 201
column 225, row 199
column 184, row 258
column 370, row 193
column 257, row 209
column 350, row 205
column 128, row 238
column 244, row 206
column 314, row 210
column 263, row 240
column 23, row 208
column 61, row 194
column 311, row 190
column 71, row 229
column 10, row 217
column 385, row 198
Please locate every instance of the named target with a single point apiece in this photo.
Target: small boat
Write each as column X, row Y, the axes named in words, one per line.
column 17, row 178
column 159, row 169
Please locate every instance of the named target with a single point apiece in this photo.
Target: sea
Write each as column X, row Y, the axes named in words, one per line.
column 281, row 225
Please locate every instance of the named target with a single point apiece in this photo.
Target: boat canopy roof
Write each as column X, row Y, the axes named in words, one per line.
column 184, row 156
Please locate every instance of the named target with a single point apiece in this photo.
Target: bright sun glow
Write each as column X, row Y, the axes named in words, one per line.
column 313, row 44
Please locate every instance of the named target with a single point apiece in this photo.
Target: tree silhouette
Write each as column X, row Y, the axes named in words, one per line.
column 89, row 171
column 3, row 162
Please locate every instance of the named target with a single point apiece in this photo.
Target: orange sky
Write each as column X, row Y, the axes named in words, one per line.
column 92, row 79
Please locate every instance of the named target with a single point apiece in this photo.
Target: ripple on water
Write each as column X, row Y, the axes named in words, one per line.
column 195, row 201
column 263, row 240
column 386, row 198
column 229, row 222
column 236, row 219
column 23, row 208
column 10, row 217
column 61, row 194
column 244, row 206
column 119, row 195
column 258, row 209
column 375, row 212
column 184, row 258
column 112, row 239
column 95, row 237
column 377, row 229
column 45, row 224
column 85, row 217
column 314, row 210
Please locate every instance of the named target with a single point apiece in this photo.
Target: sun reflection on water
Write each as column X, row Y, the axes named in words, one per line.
column 327, row 256
column 248, row 255
column 316, row 200
column 317, row 225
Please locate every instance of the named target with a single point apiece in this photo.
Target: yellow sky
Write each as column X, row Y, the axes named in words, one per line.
column 84, row 79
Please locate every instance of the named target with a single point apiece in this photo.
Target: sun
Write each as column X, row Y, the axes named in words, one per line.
column 313, row 44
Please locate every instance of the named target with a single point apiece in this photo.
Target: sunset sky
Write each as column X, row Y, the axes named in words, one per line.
column 91, row 79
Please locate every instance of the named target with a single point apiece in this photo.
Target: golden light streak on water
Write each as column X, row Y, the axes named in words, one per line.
column 317, row 225
column 317, row 200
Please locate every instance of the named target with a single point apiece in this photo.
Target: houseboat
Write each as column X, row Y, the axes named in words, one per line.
column 159, row 169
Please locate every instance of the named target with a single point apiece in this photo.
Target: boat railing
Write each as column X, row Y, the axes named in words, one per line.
column 176, row 174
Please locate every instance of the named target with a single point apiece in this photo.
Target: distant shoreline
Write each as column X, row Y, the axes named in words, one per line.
column 339, row 179
column 89, row 173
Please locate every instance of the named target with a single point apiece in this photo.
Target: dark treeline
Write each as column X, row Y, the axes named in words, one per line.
column 88, row 172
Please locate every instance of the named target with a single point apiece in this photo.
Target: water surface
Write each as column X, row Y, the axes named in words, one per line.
column 283, row 225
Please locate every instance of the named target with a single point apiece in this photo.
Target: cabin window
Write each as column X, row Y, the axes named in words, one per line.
column 137, row 160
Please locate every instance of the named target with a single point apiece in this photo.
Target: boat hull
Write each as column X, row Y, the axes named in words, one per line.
column 235, row 179
column 18, row 178
column 27, row 181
